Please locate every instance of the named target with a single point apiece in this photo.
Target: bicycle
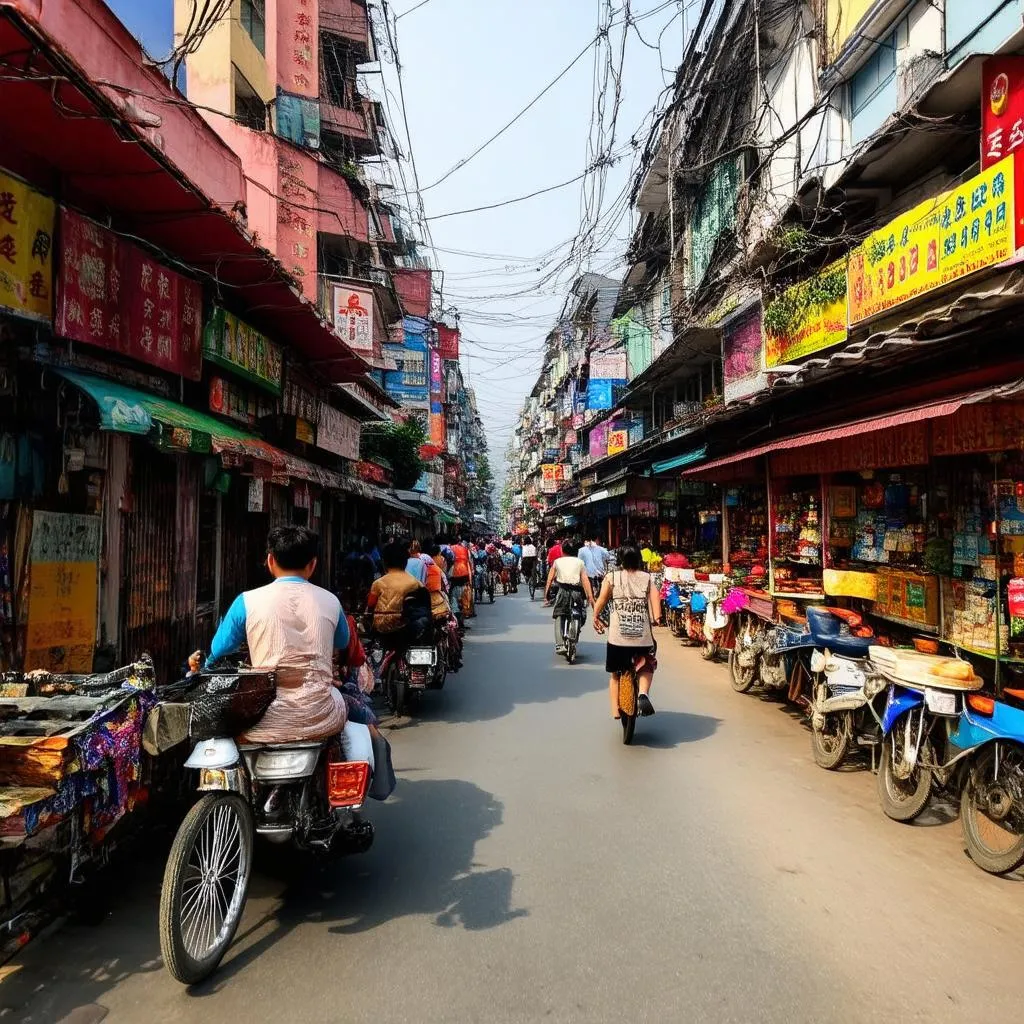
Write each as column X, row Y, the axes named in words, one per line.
column 629, row 703
column 572, row 624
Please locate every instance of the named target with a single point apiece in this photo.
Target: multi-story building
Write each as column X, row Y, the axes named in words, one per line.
column 279, row 82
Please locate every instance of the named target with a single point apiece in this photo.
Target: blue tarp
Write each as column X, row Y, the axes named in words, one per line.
column 686, row 459
column 298, row 119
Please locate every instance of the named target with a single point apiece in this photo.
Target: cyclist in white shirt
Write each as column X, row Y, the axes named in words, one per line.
column 570, row 574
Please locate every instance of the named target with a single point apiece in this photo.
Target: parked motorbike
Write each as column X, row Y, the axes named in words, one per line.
column 703, row 618
column 307, row 794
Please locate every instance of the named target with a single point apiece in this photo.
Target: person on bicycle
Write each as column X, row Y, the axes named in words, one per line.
column 291, row 627
column 635, row 609
column 529, row 561
column 570, row 574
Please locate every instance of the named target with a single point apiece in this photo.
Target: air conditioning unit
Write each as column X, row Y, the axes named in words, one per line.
column 914, row 77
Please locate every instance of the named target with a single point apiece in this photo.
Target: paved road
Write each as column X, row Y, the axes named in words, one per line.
column 531, row 868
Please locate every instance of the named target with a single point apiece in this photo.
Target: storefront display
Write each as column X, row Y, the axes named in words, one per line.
column 795, row 537
column 746, row 511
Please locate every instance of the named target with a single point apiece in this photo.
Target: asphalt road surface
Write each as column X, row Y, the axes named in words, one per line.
column 532, row 868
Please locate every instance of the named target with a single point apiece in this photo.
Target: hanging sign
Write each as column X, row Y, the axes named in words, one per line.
column 234, row 345
column 1002, row 108
column 608, row 365
column 743, row 357
column 304, row 431
column 353, row 317
column 257, row 489
column 338, row 433
column 618, row 441
column 448, row 342
column 413, row 288
column 63, row 592
column 113, row 295
column 943, row 239
column 26, row 249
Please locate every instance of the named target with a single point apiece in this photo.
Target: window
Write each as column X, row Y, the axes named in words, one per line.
column 250, row 110
column 875, row 75
column 254, row 21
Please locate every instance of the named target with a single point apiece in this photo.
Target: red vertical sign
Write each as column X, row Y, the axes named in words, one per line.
column 1002, row 108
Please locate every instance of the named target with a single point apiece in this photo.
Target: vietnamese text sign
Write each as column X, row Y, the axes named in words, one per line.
column 1002, row 108
column 112, row 295
column 63, row 592
column 338, row 433
column 353, row 318
column 807, row 318
column 26, row 249
column 233, row 344
column 940, row 240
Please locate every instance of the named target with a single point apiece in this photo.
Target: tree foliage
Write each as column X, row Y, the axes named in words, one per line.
column 397, row 444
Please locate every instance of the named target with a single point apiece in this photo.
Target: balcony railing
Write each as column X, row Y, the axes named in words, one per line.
column 349, row 19
column 336, row 118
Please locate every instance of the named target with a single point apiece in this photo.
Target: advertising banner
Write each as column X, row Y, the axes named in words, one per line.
column 112, row 295
column 807, row 318
column 233, row 344
column 26, row 249
column 608, row 365
column 353, row 317
column 601, row 394
column 63, row 592
column 618, row 441
column 1002, row 108
column 599, row 440
column 413, row 287
column 338, row 433
column 943, row 239
column 743, row 357
column 448, row 342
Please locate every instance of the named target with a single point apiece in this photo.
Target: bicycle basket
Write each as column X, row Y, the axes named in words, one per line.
column 228, row 703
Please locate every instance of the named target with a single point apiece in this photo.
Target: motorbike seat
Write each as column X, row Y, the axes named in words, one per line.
column 826, row 630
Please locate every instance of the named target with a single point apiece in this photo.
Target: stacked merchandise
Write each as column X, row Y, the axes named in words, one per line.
column 796, row 542
column 748, row 535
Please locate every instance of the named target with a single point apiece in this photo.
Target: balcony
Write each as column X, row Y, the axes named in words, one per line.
column 349, row 19
column 356, row 123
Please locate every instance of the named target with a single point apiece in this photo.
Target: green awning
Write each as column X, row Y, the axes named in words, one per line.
column 129, row 411
column 686, row 459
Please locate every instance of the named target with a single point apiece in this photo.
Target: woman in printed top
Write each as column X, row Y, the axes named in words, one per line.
column 636, row 608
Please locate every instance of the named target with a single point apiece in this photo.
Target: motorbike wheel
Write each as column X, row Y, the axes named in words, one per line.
column 533, row 588
column 992, row 809
column 490, row 592
column 205, row 885
column 742, row 678
column 831, row 743
column 902, row 799
column 709, row 650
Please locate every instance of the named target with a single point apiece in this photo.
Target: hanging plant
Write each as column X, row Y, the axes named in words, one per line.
column 796, row 305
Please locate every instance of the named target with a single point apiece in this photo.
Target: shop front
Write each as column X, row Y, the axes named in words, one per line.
column 915, row 519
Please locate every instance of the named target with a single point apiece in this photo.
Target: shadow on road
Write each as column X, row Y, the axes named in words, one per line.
column 669, row 729
column 422, row 862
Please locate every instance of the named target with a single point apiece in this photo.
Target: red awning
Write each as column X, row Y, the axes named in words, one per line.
column 97, row 126
column 915, row 414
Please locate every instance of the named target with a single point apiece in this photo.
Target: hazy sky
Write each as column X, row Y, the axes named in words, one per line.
column 468, row 66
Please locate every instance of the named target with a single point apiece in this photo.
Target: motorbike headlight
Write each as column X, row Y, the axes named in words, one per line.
column 274, row 765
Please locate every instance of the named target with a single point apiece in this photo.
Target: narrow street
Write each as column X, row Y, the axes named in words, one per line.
column 531, row 867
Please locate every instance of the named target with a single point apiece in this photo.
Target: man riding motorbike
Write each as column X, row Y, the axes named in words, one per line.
column 291, row 627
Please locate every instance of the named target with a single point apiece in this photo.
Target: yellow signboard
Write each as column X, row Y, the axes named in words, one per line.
column 843, row 17
column 940, row 240
column 26, row 249
column 63, row 593
column 618, row 441
column 807, row 318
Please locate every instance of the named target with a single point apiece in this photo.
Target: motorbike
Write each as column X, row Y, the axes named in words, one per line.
column 410, row 670
column 786, row 658
column 307, row 794
column 702, row 617
column 752, row 623
column 572, row 625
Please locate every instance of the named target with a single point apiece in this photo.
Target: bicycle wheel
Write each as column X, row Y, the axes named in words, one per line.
column 628, row 704
column 533, row 587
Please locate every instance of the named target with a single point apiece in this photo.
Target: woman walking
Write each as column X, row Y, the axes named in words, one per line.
column 635, row 608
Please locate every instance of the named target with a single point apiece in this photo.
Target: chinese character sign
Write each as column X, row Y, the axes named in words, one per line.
column 296, row 216
column 113, row 295
column 1002, row 108
column 26, row 242
column 298, row 54
column 618, row 441
column 942, row 239
column 353, row 318
column 233, row 344
column 608, row 365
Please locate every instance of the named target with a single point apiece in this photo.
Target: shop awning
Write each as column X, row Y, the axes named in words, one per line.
column 129, row 411
column 915, row 414
column 388, row 498
column 686, row 459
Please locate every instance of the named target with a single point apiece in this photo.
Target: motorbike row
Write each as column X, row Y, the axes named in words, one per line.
column 923, row 717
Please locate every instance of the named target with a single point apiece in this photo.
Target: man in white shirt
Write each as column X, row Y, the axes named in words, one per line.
column 570, row 574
